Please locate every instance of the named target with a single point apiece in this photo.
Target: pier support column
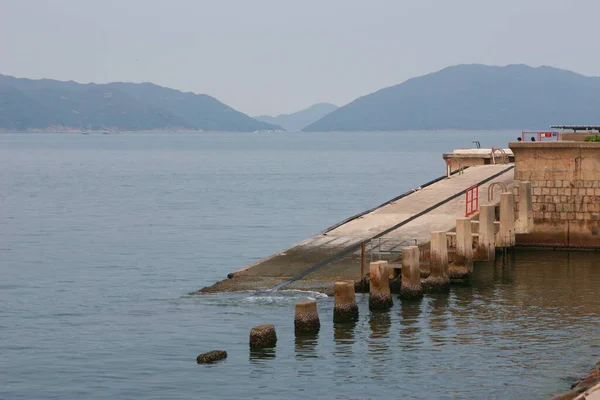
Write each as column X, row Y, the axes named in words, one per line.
column 438, row 281
column 345, row 308
column 411, row 274
column 524, row 223
column 263, row 336
column 486, row 249
column 507, row 220
column 306, row 319
column 463, row 263
column 379, row 286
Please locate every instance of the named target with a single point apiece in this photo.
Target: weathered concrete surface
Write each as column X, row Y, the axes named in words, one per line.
column 288, row 263
column 263, row 336
column 345, row 308
column 411, row 287
column 565, row 179
column 306, row 319
column 380, row 297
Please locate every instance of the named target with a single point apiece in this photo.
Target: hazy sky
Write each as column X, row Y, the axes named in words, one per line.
column 277, row 56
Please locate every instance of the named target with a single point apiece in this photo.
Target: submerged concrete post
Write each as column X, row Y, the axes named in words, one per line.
column 411, row 274
column 463, row 263
column 263, row 336
column 345, row 308
column 211, row 357
column 379, row 286
column 486, row 249
column 524, row 223
column 507, row 220
column 306, row 319
column 438, row 277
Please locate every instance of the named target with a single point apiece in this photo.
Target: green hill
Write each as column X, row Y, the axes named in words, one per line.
column 473, row 97
column 27, row 104
column 296, row 121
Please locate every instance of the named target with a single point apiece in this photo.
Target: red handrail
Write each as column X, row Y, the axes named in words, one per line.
column 472, row 200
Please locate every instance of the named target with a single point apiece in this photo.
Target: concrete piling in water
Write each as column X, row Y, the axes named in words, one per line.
column 345, row 308
column 306, row 319
column 486, row 249
column 463, row 262
column 524, row 222
column 379, row 286
column 506, row 237
column 263, row 336
column 411, row 274
column 211, row 357
column 438, row 280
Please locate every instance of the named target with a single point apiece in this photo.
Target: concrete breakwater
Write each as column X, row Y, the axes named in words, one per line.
column 549, row 196
column 342, row 252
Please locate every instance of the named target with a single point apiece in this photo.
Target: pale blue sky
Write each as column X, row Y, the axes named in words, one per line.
column 277, row 56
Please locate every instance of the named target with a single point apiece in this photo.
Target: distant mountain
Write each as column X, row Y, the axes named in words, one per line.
column 298, row 120
column 473, row 97
column 47, row 104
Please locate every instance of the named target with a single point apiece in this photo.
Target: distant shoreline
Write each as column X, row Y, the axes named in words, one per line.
column 54, row 130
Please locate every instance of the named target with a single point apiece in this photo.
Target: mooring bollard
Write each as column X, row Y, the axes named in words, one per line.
column 379, row 286
column 524, row 224
column 306, row 319
column 507, row 220
column 263, row 336
column 486, row 248
column 411, row 274
column 345, row 308
column 463, row 262
column 438, row 281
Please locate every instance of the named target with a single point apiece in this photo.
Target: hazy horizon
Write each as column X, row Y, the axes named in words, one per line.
column 269, row 57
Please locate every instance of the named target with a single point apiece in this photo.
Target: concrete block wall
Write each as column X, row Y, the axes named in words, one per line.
column 565, row 180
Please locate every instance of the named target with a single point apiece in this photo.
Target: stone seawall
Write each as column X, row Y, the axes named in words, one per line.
column 565, row 180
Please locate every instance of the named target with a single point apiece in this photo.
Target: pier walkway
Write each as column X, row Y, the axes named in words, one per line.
column 336, row 253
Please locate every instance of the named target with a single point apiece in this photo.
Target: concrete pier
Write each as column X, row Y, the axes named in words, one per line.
column 435, row 206
column 462, row 266
column 506, row 236
column 379, row 286
column 411, row 275
column 438, row 280
column 345, row 308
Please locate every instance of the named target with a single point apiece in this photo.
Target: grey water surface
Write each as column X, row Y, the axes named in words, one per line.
column 102, row 237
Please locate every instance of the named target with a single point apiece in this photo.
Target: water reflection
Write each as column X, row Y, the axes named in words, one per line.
column 306, row 345
column 258, row 355
column 462, row 309
column 261, row 362
column 410, row 311
column 343, row 332
column 378, row 343
column 504, row 266
column 380, row 323
column 438, row 318
column 306, row 352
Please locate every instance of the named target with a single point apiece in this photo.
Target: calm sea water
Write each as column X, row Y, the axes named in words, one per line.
column 102, row 237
